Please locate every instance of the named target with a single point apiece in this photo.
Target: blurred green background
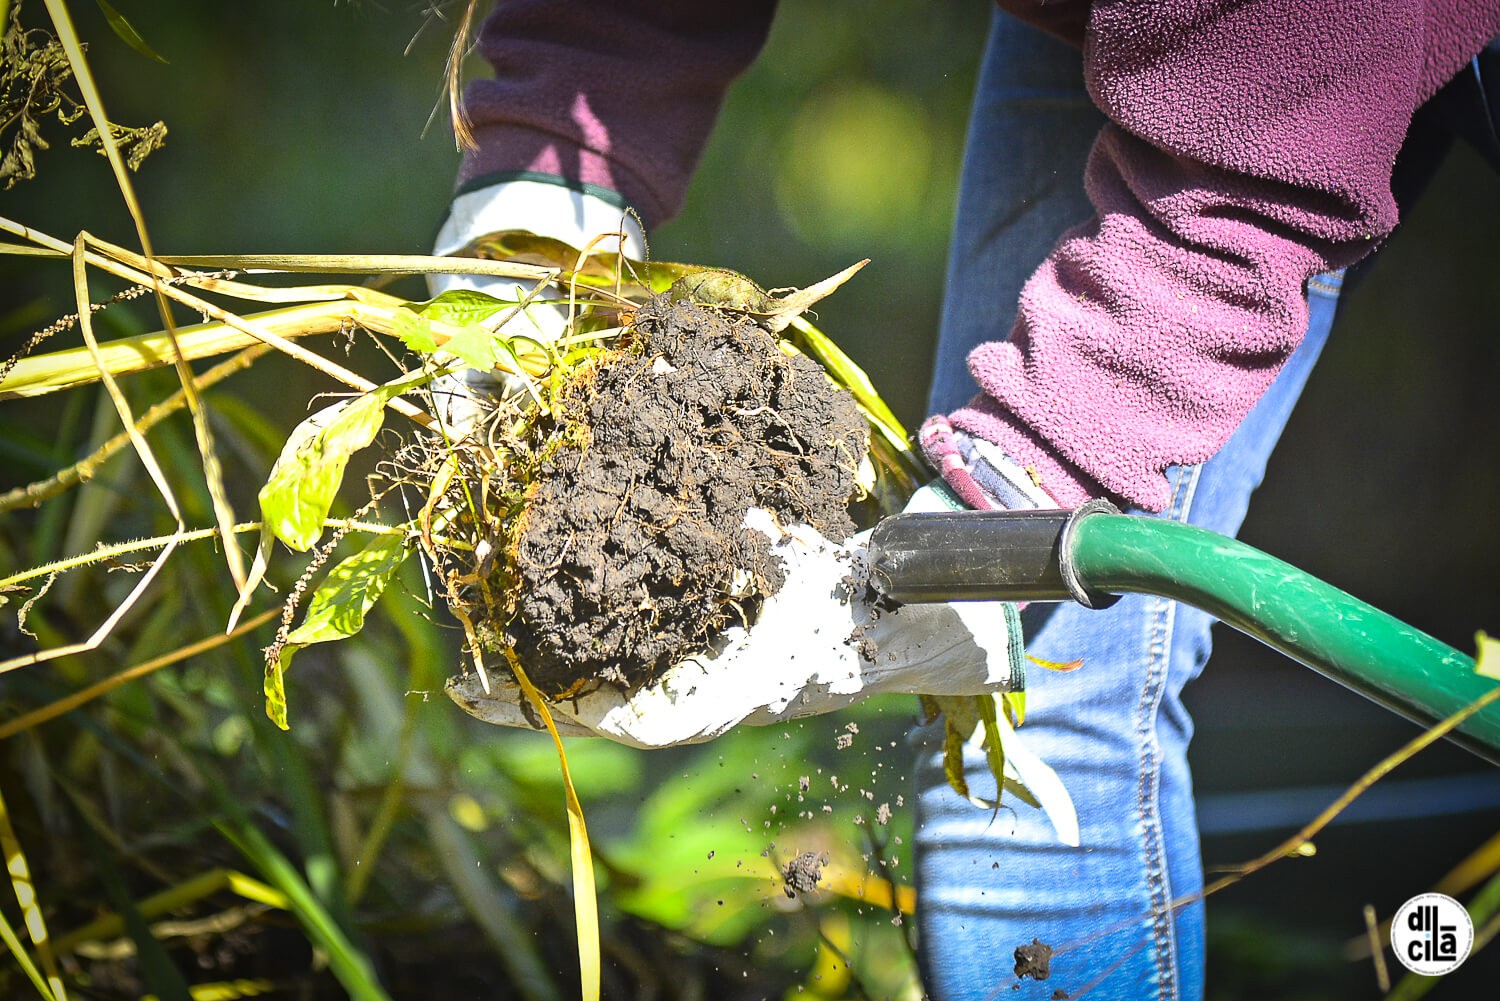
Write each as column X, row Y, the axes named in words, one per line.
column 299, row 127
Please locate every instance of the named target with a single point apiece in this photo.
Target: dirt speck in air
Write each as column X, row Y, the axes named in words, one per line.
column 802, row 873
column 1034, row 960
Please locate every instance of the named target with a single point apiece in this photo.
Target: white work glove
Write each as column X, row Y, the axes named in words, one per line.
column 552, row 210
column 814, row 648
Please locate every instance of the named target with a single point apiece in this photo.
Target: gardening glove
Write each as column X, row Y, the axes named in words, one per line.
column 547, row 209
column 817, row 645
column 982, row 476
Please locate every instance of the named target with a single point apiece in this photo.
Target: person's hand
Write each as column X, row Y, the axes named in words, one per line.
column 818, row 645
column 553, row 210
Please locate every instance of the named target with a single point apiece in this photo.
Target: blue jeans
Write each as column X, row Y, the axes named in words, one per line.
column 1115, row 730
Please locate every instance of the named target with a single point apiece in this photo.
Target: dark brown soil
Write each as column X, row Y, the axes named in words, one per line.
column 802, row 873
column 633, row 553
column 1034, row 960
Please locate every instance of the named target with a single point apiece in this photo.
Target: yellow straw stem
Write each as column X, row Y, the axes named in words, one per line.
column 585, row 895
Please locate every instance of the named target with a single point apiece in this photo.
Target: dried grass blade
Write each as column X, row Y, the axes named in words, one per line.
column 174, row 898
column 364, row 264
column 23, row 959
column 83, row 696
column 148, row 459
column 463, row 132
column 92, row 100
column 212, row 472
column 83, row 470
column 20, row 880
column 585, row 895
column 74, row 367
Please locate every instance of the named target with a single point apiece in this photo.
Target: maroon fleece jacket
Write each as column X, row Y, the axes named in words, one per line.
column 1249, row 147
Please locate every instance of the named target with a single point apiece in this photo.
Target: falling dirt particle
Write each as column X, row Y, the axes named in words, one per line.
column 852, row 727
column 1034, row 960
column 804, row 783
column 883, row 814
column 843, row 741
column 802, row 873
column 1059, row 995
column 711, row 854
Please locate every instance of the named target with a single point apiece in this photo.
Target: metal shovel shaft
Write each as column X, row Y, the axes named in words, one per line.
column 1094, row 553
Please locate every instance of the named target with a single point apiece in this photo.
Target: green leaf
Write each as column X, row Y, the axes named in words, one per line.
column 336, row 611
column 17, row 951
column 1487, row 656
column 479, row 348
column 306, row 476
column 963, row 716
column 275, row 686
column 348, row 963
column 462, row 306
column 954, row 740
column 128, row 34
column 304, row 480
column 415, row 332
column 994, row 747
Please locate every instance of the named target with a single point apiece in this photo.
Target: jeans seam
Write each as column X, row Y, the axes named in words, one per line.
column 1159, row 645
column 1163, row 941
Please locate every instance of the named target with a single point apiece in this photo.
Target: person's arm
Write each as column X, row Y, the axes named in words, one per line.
column 617, row 95
column 1250, row 148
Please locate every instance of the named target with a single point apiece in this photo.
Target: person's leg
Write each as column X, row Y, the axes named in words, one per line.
column 1115, row 730
column 1117, row 734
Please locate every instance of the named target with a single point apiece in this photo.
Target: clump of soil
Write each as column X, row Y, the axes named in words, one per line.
column 802, row 873
column 631, row 552
column 1034, row 960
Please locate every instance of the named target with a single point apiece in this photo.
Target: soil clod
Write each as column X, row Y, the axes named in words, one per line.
column 632, row 553
column 1034, row 960
column 802, row 873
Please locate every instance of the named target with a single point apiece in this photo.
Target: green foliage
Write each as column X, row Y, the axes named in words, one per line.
column 478, row 347
column 352, row 813
column 127, row 32
column 306, row 477
column 337, row 610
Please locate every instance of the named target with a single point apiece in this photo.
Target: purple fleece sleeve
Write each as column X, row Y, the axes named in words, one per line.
column 615, row 93
column 1250, row 148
